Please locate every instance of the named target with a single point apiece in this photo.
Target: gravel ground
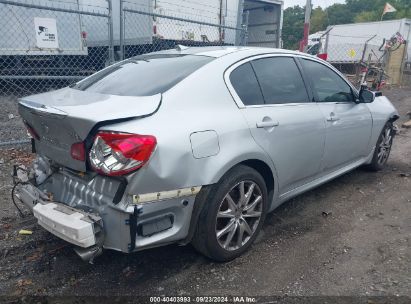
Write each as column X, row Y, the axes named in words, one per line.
column 11, row 126
column 348, row 237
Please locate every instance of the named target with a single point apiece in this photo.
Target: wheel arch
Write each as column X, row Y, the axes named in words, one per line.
column 265, row 171
column 393, row 117
column 268, row 174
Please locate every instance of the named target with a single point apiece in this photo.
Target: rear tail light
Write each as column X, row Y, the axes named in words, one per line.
column 31, row 131
column 120, row 153
column 78, row 151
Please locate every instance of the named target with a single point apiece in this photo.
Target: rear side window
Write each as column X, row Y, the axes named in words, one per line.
column 246, row 86
column 327, row 85
column 280, row 80
column 143, row 75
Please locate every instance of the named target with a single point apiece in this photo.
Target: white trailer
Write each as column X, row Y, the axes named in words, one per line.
column 346, row 43
column 219, row 12
column 76, row 32
column 264, row 18
column 139, row 30
column 25, row 29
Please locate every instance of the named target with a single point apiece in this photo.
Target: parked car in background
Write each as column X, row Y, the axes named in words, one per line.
column 194, row 145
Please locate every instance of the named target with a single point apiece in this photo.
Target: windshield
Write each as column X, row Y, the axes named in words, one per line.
column 143, row 75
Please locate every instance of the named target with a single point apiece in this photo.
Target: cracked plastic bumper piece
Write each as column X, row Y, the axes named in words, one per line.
column 67, row 223
column 80, row 210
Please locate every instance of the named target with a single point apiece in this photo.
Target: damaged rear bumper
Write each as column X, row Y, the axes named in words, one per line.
column 71, row 225
column 80, row 210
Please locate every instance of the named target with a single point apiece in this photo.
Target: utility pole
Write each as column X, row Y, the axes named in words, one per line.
column 304, row 42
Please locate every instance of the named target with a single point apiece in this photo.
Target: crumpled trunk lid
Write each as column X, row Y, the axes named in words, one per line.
column 67, row 116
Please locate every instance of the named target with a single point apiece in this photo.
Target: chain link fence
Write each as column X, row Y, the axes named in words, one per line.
column 372, row 59
column 47, row 44
column 143, row 30
column 45, row 47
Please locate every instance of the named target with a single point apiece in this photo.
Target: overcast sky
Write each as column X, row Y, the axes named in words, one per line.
column 322, row 3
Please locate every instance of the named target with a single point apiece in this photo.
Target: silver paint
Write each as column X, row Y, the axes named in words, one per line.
column 296, row 141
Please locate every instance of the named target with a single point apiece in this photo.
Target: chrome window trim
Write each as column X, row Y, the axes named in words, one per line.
column 234, row 94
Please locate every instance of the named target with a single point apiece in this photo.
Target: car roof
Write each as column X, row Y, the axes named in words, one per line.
column 219, row 51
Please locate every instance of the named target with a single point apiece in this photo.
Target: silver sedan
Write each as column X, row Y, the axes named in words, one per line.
column 194, row 145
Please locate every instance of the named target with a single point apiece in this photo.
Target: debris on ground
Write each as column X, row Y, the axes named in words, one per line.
column 127, row 271
column 5, row 226
column 326, row 213
column 25, row 232
column 34, row 257
column 24, row 282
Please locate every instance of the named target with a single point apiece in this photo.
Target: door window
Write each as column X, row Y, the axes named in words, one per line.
column 280, row 80
column 327, row 85
column 246, row 86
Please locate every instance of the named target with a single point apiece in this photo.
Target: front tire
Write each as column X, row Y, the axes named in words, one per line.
column 232, row 215
column 382, row 148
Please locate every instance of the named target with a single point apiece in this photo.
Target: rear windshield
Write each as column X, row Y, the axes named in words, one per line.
column 143, row 75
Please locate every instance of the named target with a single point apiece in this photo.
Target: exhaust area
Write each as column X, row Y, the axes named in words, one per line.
column 89, row 254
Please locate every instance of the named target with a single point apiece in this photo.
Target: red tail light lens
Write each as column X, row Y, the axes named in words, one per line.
column 120, row 153
column 31, row 131
column 323, row 56
column 78, row 151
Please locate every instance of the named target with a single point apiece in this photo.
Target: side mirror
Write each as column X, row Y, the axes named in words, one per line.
column 366, row 96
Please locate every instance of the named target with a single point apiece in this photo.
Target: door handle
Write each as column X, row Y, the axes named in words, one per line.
column 333, row 117
column 267, row 124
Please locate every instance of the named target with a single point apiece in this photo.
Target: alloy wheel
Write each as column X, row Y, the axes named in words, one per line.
column 239, row 215
column 384, row 147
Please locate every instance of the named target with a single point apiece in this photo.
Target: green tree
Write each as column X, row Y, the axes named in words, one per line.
column 366, row 17
column 318, row 20
column 339, row 14
column 293, row 25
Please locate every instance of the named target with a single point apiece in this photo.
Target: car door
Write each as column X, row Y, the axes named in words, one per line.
column 272, row 96
column 348, row 124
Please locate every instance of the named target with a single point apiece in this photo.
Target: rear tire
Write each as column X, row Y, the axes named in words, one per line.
column 232, row 216
column 382, row 148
